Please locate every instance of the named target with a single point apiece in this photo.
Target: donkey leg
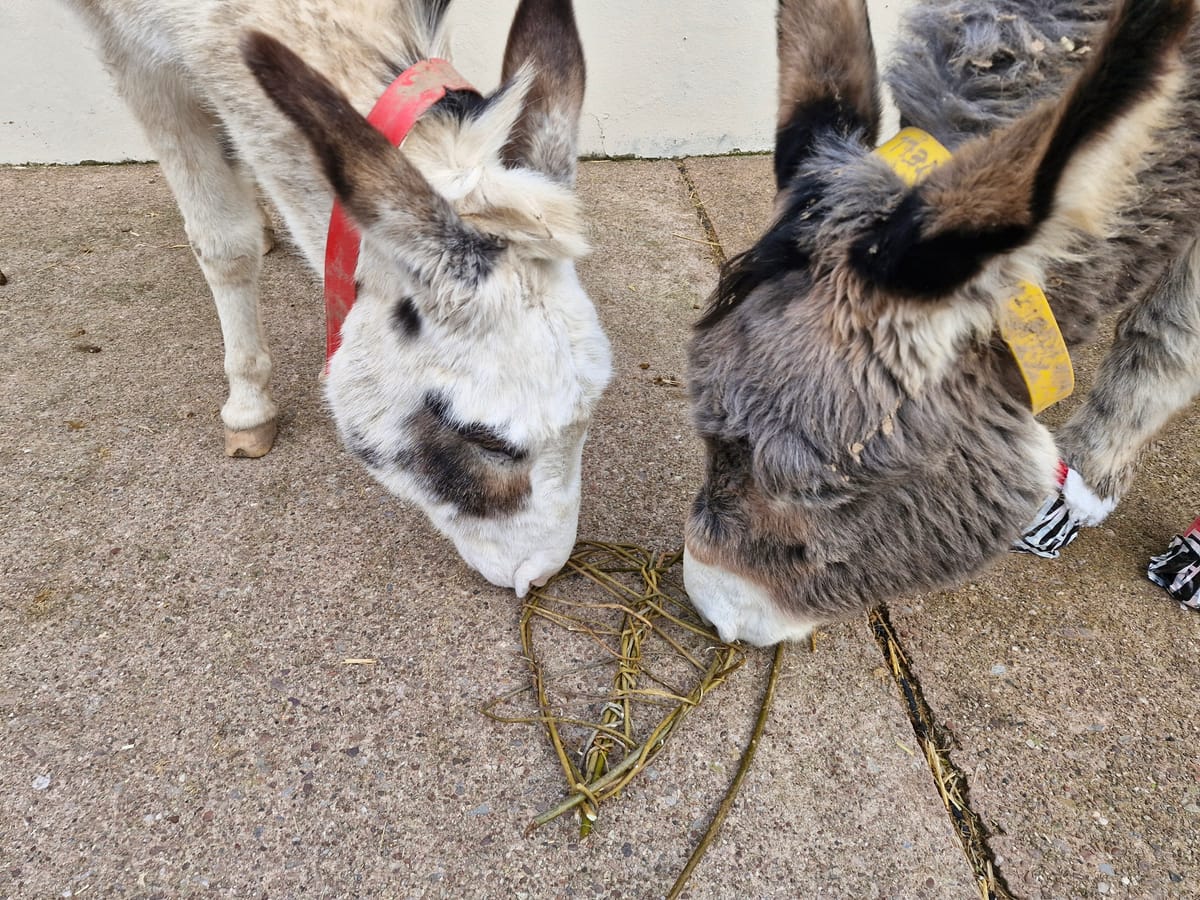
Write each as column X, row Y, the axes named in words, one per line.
column 1151, row 372
column 225, row 227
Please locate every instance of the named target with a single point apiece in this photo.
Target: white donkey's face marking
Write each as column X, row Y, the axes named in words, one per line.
column 482, row 428
column 472, row 359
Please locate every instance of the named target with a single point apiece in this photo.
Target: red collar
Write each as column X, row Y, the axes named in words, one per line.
column 395, row 113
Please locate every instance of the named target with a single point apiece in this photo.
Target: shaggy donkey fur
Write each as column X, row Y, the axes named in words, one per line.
column 866, row 433
column 471, row 362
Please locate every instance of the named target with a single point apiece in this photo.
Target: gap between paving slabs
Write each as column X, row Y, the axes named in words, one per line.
column 712, row 239
column 934, row 741
column 951, row 782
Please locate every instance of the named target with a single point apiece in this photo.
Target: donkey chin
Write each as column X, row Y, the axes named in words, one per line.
column 511, row 516
column 489, row 549
column 521, row 549
column 738, row 608
column 516, row 550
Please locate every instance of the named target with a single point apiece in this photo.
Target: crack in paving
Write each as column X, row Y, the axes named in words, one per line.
column 951, row 781
column 706, row 222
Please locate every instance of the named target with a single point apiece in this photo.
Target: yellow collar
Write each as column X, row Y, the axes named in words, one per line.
column 1026, row 322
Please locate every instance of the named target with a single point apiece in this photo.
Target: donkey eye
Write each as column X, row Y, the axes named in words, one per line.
column 490, row 442
column 501, row 450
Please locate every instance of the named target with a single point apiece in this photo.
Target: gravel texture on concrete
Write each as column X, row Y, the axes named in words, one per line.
column 178, row 718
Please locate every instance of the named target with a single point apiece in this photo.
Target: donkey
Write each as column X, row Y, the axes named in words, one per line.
column 472, row 359
column 865, row 434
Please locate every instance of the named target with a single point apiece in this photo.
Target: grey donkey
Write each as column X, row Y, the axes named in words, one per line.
column 866, row 433
column 471, row 362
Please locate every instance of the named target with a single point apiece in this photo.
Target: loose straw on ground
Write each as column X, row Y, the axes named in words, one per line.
column 652, row 619
column 948, row 779
column 718, row 818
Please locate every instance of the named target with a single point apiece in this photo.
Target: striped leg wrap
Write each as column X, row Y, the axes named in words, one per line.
column 1052, row 529
column 1178, row 569
column 1057, row 523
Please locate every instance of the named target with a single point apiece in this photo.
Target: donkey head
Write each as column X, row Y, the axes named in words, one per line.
column 865, row 436
column 472, row 358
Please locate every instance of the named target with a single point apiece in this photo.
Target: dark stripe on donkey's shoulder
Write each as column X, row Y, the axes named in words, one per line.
column 811, row 122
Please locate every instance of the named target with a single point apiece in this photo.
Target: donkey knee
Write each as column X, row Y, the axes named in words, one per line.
column 231, row 268
column 229, row 252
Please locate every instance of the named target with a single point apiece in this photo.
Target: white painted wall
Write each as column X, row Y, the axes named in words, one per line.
column 665, row 77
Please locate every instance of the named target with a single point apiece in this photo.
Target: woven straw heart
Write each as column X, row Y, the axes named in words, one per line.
column 618, row 658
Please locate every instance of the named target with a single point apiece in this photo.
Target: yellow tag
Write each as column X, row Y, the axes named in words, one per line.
column 1026, row 322
column 913, row 154
column 1028, row 327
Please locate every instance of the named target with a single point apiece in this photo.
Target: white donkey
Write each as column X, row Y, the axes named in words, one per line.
column 472, row 359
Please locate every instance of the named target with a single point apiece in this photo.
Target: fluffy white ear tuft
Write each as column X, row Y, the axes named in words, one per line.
column 480, row 141
column 539, row 216
column 542, row 219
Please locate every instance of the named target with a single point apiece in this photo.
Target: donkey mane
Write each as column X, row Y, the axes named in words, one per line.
column 421, row 28
column 837, row 187
column 962, row 68
column 777, row 252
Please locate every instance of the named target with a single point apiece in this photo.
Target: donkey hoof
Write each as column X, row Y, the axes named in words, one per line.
column 250, row 443
column 268, row 239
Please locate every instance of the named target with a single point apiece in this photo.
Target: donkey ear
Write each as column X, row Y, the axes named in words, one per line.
column 384, row 193
column 1060, row 170
column 827, row 78
column 544, row 39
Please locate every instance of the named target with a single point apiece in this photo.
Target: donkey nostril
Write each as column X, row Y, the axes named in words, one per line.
column 532, row 573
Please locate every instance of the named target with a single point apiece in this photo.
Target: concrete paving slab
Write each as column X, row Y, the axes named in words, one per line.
column 178, row 717
column 737, row 193
column 1070, row 687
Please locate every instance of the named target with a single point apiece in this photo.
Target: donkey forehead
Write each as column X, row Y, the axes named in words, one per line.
column 538, row 372
column 775, row 349
column 840, row 192
column 528, row 371
column 540, row 216
column 528, row 407
column 792, row 363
